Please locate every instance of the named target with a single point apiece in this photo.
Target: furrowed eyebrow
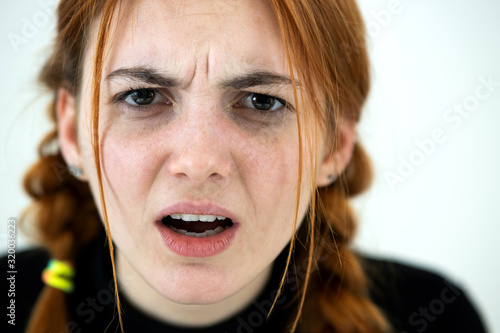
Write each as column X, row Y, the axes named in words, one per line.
column 144, row 74
column 258, row 78
column 243, row 81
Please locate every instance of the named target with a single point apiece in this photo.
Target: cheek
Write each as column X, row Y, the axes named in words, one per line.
column 130, row 165
column 272, row 173
column 271, row 160
column 274, row 169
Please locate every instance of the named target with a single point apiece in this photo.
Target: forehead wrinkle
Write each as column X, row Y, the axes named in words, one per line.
column 180, row 9
column 184, row 64
column 215, row 8
column 208, row 60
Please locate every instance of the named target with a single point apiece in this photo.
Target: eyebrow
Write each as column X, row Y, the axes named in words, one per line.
column 242, row 81
column 144, row 74
column 256, row 78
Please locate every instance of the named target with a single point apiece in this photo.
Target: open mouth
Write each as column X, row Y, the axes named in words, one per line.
column 197, row 225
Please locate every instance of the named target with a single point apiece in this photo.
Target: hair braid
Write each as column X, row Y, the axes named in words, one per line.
column 64, row 219
column 345, row 301
column 338, row 299
column 62, row 215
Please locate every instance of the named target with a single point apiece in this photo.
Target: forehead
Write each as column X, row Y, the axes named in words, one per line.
column 185, row 37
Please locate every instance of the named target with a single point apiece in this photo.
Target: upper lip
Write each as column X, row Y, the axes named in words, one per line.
column 196, row 209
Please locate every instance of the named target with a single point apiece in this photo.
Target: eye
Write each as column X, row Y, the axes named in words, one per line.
column 261, row 102
column 143, row 97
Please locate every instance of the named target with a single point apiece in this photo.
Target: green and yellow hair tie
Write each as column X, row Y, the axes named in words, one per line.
column 58, row 274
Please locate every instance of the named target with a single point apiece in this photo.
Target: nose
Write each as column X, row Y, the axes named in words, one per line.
column 201, row 152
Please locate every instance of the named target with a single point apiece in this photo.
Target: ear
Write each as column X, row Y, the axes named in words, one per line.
column 334, row 162
column 67, row 131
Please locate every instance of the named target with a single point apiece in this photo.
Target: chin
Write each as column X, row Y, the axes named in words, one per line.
column 192, row 286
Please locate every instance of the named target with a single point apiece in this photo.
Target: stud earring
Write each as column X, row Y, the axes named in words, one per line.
column 331, row 177
column 75, row 171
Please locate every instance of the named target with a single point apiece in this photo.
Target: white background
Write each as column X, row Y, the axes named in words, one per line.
column 427, row 57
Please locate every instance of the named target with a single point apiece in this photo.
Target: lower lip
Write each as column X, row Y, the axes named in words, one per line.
column 198, row 247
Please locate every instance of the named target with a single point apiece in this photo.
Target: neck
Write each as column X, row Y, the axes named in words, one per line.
column 148, row 300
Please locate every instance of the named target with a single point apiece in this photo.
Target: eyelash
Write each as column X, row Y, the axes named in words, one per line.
column 120, row 98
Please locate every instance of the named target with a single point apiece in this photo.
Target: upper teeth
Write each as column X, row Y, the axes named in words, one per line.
column 192, row 217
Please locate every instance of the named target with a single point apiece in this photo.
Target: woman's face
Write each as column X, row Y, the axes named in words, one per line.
column 193, row 121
